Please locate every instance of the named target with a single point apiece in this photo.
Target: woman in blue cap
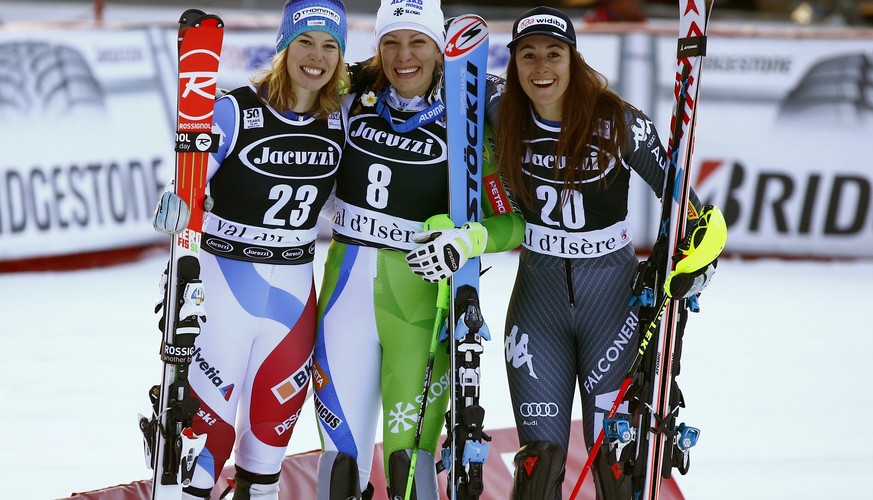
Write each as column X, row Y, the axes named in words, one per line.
column 567, row 146
column 281, row 143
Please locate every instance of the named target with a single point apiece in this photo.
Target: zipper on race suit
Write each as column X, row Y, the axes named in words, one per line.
column 568, row 270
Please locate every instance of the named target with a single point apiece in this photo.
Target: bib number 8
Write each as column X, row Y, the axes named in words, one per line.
column 377, row 191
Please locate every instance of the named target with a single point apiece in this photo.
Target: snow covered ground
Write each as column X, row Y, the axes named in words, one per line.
column 774, row 372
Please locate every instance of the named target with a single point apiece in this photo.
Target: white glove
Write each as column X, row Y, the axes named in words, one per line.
column 444, row 251
column 171, row 214
column 690, row 284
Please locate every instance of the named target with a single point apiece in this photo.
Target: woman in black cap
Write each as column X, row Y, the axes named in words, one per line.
column 567, row 145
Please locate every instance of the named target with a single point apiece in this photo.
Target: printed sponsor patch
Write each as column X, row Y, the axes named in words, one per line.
column 547, row 20
column 253, row 118
column 319, row 378
column 286, row 389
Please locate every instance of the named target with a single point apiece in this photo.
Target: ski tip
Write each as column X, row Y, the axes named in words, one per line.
column 209, row 20
column 188, row 17
column 193, row 18
column 465, row 33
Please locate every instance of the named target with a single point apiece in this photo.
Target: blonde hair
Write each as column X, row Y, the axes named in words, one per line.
column 274, row 86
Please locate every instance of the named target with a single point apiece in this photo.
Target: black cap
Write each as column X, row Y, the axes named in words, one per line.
column 544, row 21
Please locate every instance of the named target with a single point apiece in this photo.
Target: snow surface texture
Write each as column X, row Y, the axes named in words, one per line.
column 772, row 372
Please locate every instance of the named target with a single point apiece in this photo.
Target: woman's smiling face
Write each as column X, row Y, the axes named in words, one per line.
column 408, row 60
column 543, row 64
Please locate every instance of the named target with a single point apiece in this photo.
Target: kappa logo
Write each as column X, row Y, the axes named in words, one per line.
column 642, row 130
column 516, row 351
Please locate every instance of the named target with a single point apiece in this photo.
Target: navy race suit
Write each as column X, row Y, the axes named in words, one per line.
column 269, row 180
column 568, row 320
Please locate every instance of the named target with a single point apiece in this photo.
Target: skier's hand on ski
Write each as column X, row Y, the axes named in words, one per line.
column 444, row 248
column 682, row 286
column 698, row 256
column 162, row 290
column 171, row 214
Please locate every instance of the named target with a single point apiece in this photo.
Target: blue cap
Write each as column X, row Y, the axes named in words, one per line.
column 300, row 16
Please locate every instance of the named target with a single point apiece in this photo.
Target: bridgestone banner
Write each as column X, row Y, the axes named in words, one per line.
column 783, row 132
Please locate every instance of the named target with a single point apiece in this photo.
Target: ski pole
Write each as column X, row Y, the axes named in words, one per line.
column 625, row 385
column 442, row 304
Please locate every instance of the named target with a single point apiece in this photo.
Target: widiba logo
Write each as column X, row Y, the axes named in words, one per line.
column 542, row 19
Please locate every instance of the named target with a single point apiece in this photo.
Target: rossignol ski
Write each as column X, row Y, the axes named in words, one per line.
column 650, row 444
column 466, row 447
column 171, row 447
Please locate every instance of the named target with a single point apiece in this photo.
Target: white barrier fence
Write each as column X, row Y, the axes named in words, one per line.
column 784, row 141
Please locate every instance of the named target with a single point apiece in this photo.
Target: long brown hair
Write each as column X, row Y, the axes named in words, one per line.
column 588, row 106
column 275, row 87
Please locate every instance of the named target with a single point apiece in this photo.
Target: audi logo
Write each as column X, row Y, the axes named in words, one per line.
column 538, row 409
